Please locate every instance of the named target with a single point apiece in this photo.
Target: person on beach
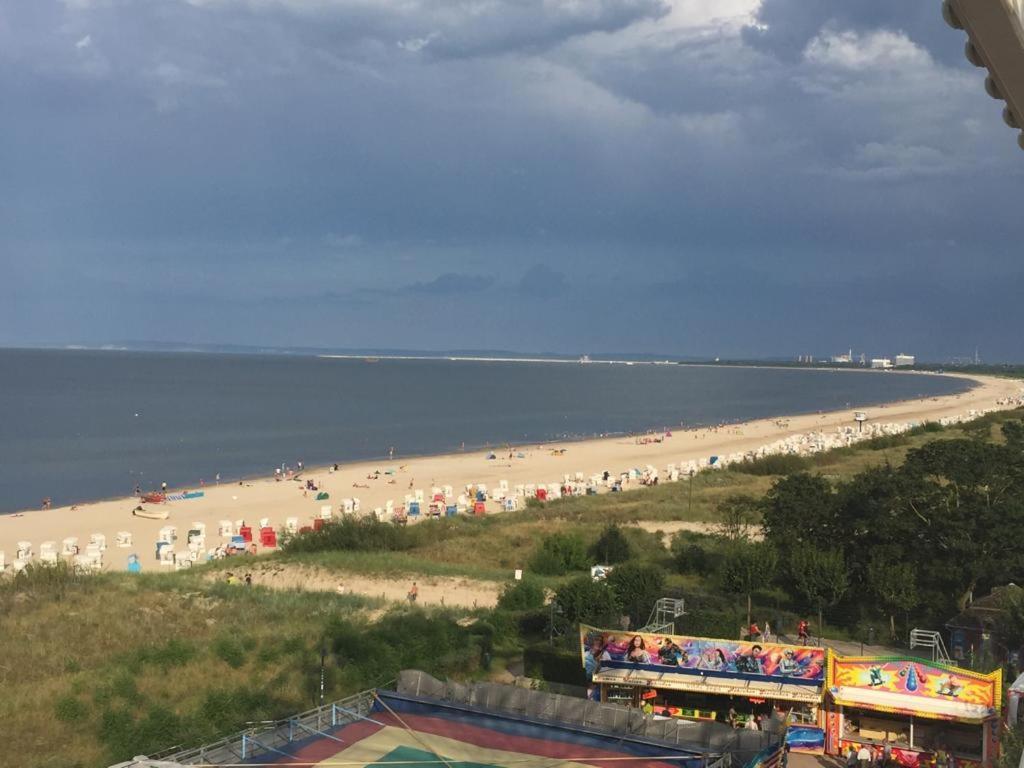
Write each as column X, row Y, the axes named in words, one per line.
column 163, row 487
column 414, row 593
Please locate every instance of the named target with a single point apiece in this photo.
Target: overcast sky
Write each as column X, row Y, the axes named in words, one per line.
column 695, row 177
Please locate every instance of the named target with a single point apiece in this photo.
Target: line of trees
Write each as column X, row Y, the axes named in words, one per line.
column 916, row 540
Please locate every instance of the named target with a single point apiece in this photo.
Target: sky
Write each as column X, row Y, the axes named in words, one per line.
column 734, row 178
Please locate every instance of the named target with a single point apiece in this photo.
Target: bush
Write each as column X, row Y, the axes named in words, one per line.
column 611, row 547
column 588, row 601
column 70, row 709
column 637, row 587
column 229, row 650
column 524, row 595
column 350, row 533
column 691, row 557
column 554, row 666
column 778, row 464
column 559, row 554
column 173, row 653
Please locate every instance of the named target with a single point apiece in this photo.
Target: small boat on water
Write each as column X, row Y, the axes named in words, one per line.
column 371, row 359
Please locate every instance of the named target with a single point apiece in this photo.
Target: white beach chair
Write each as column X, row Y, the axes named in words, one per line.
column 265, row 521
column 291, row 524
column 99, row 540
column 520, row 489
column 48, row 552
column 82, row 562
column 70, row 546
column 419, row 495
column 346, row 506
column 197, row 526
column 168, row 533
column 448, row 491
column 19, row 564
column 355, row 504
column 239, row 525
column 182, row 561
column 511, row 504
column 167, row 555
column 325, row 513
column 94, row 556
column 225, row 529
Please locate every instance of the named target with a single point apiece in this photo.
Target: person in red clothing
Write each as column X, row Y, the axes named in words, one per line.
column 754, row 632
column 801, row 632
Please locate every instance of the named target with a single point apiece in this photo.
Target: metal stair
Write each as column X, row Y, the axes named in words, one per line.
column 664, row 615
column 928, row 638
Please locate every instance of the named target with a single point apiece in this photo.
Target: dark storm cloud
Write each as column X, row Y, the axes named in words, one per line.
column 700, row 177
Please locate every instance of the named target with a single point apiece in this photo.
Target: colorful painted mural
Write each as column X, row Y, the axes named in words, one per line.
column 700, row 655
column 916, row 678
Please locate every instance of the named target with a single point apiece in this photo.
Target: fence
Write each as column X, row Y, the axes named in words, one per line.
column 271, row 738
column 712, row 740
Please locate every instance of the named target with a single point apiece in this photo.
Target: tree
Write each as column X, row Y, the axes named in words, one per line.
column 736, row 513
column 968, row 504
column 1010, row 623
column 747, row 566
column 588, row 601
column 820, row 578
column 894, row 584
column 799, row 512
column 637, row 587
column 611, row 546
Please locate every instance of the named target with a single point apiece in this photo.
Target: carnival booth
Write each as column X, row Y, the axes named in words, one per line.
column 920, row 709
column 698, row 678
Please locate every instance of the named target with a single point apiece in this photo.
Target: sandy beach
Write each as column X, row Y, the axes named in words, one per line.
column 277, row 500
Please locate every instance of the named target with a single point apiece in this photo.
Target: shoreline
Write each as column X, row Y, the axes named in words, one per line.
column 973, row 381
column 533, row 463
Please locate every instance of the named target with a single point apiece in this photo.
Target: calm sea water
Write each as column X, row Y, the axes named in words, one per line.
column 80, row 425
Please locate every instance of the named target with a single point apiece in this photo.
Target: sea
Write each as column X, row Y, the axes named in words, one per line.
column 81, row 425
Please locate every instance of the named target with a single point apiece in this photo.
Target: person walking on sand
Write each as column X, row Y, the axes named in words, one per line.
column 163, row 486
column 414, row 592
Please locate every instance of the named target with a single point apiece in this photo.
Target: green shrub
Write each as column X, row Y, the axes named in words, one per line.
column 552, row 665
column 524, row 595
column 776, row 464
column 559, row 554
column 691, row 557
column 70, row 709
column 173, row 653
column 611, row 546
column 637, row 587
column 588, row 601
column 351, row 533
column 229, row 650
